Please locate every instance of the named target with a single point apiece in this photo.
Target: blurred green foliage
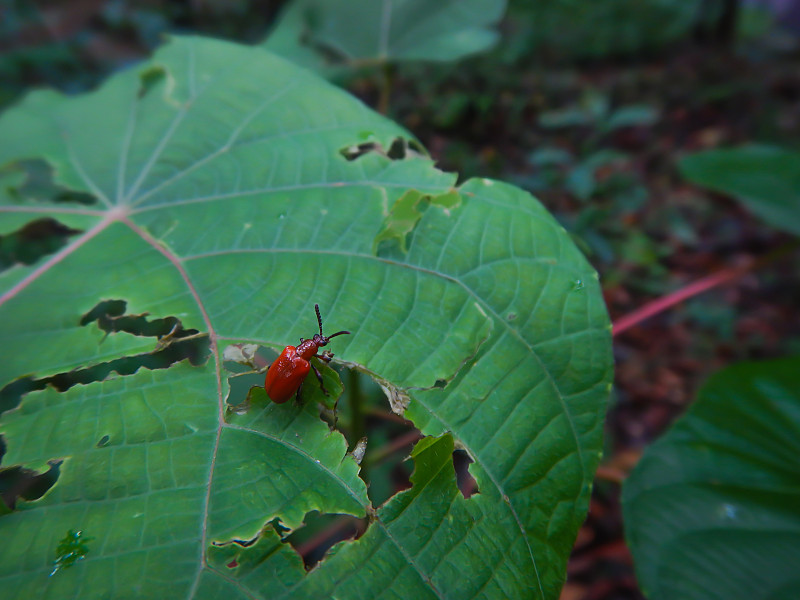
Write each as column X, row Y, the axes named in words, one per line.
column 319, row 34
column 766, row 179
column 581, row 29
column 712, row 510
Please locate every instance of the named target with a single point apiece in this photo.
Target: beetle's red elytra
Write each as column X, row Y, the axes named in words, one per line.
column 286, row 375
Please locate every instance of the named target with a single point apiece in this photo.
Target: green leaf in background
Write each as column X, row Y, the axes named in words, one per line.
column 317, row 33
column 221, row 209
column 765, row 179
column 712, row 511
column 631, row 115
column 592, row 107
column 581, row 29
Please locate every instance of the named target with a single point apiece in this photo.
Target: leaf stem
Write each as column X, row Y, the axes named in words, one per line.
column 385, row 415
column 338, row 528
column 382, row 453
column 610, row 474
column 698, row 287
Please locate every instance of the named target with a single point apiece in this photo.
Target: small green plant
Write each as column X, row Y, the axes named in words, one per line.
column 602, row 179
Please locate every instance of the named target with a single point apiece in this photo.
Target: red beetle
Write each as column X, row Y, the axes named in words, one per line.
column 285, row 376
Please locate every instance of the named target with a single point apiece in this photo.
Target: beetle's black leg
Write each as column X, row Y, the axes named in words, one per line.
column 298, row 399
column 326, row 356
column 319, row 377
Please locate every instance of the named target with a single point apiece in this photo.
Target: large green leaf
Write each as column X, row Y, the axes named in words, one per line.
column 229, row 196
column 765, row 179
column 712, row 511
column 316, row 33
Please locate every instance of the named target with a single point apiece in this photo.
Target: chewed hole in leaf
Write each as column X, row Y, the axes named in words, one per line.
column 247, row 365
column 33, row 241
column 355, row 151
column 18, row 482
column 464, row 479
column 245, row 355
column 242, row 543
column 11, row 394
column 400, row 148
column 38, row 184
column 320, row 532
column 104, row 309
column 111, row 318
column 174, row 344
column 362, row 412
column 308, row 544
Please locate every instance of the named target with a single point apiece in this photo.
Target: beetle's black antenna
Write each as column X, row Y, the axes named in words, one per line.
column 319, row 319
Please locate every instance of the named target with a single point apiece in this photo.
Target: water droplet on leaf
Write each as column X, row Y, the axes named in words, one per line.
column 727, row 511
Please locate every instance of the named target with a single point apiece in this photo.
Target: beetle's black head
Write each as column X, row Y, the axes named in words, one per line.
column 321, row 340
